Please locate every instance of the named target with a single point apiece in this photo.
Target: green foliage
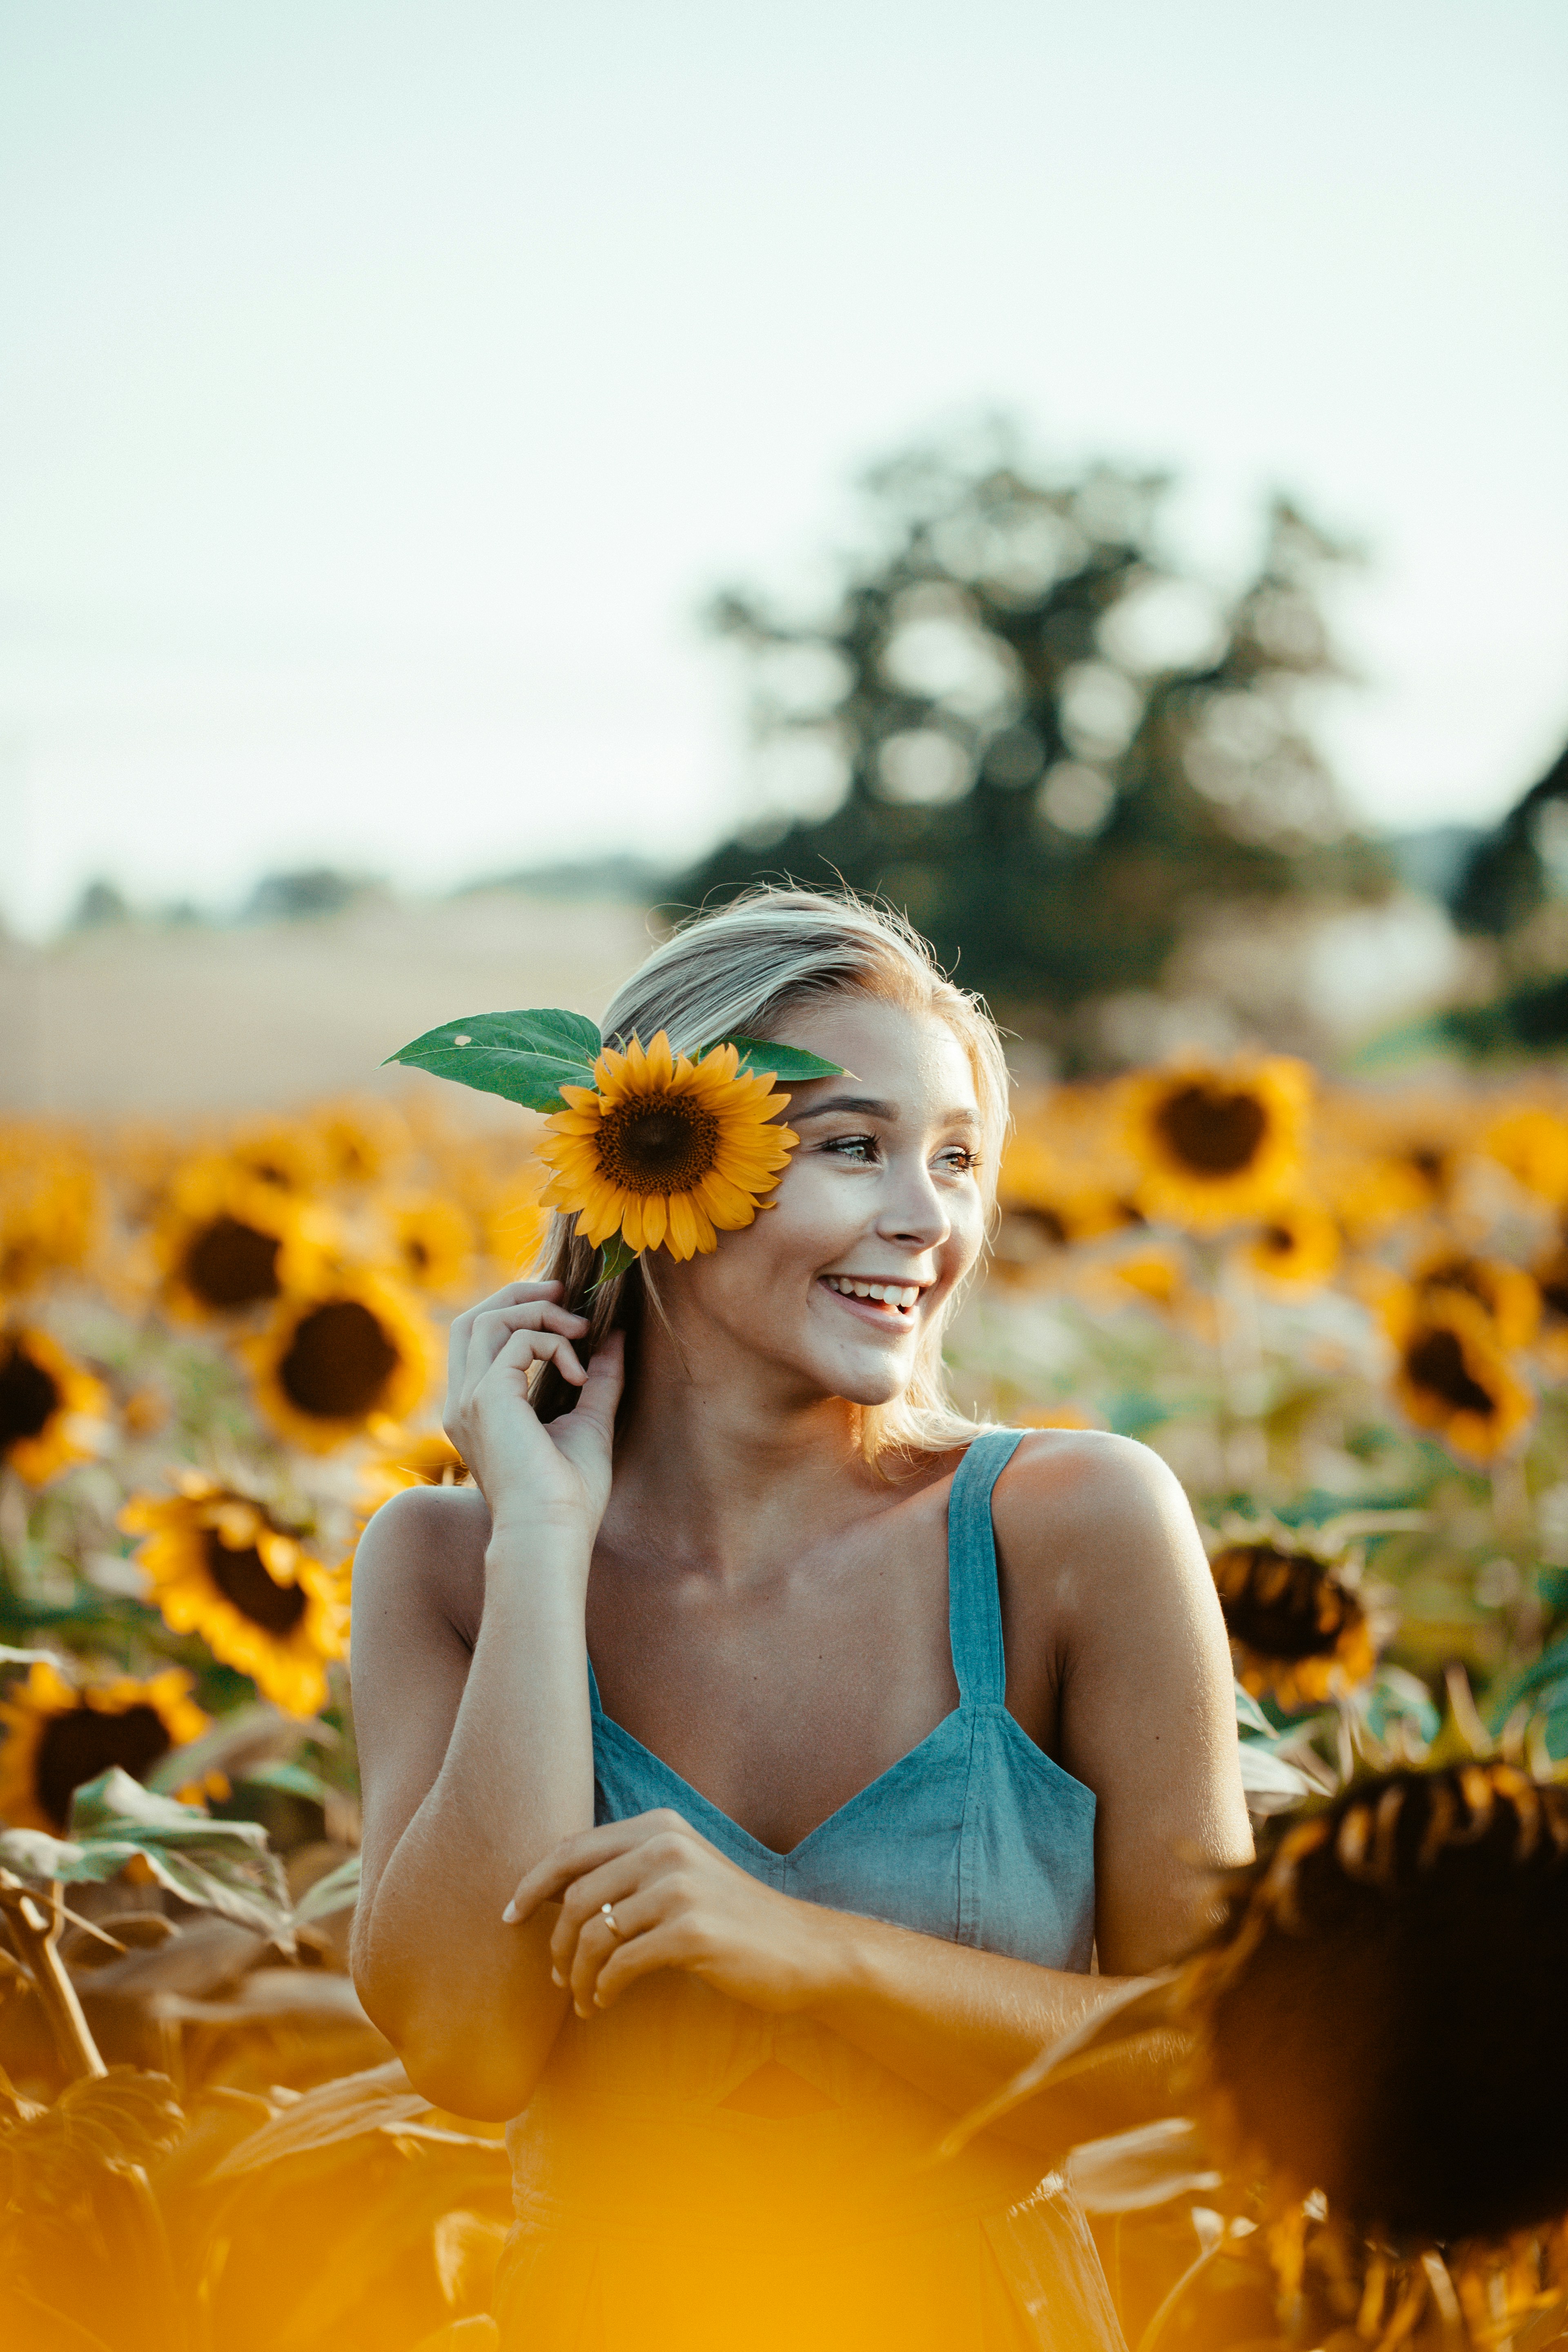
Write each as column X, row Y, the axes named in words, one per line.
column 1018, row 768
column 526, row 1056
column 788, row 1063
column 222, row 1866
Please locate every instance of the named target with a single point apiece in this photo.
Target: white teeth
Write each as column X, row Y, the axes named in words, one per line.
column 886, row 1294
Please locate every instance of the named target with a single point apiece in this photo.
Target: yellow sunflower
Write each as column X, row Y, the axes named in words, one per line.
column 45, row 1400
column 360, row 1142
column 222, row 1566
column 290, row 1154
column 432, row 1240
column 1049, row 1202
column 1214, row 1144
column 48, row 1200
column 1298, row 1246
column 1532, row 1143
column 1298, row 1630
column 354, row 1348
column 226, row 1242
column 60, row 1734
column 1509, row 1298
column 515, row 1221
column 1453, row 1377
column 666, row 1152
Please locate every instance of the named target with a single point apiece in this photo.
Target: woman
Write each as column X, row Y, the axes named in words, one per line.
column 757, row 1752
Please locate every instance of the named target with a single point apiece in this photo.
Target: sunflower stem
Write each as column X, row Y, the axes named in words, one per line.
column 35, row 1921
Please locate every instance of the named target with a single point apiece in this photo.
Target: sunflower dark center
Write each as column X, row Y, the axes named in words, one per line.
column 230, row 1264
column 1436, row 1361
column 338, row 1362
column 28, row 1395
column 1461, row 1273
column 1553, row 1280
column 1278, row 1240
column 1282, row 1604
column 243, row 1578
column 658, row 1143
column 418, row 1252
column 84, row 1741
column 1210, row 1131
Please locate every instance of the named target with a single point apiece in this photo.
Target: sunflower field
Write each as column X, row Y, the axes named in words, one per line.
column 1341, row 1314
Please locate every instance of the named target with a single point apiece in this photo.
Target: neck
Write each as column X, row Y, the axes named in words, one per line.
column 717, row 1463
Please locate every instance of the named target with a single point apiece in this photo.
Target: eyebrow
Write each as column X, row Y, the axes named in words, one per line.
column 874, row 1107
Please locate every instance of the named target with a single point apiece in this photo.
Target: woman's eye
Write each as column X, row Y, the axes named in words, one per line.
column 961, row 1160
column 853, row 1147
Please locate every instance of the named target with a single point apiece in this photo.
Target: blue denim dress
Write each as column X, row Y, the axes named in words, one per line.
column 656, row 2206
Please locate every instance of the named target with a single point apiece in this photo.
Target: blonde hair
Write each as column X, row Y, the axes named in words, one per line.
column 742, row 970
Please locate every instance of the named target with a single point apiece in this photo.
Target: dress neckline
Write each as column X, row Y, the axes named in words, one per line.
column 973, row 1633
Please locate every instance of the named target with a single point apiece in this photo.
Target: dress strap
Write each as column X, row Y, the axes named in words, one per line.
column 973, row 1602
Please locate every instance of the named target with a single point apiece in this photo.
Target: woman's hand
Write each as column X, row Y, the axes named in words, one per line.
column 529, row 1470
column 677, row 1903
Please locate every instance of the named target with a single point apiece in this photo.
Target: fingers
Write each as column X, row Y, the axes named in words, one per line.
column 602, row 1383
column 588, row 1850
column 494, row 1327
column 671, row 1944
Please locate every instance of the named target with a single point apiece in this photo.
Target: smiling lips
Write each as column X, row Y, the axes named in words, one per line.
column 901, row 1295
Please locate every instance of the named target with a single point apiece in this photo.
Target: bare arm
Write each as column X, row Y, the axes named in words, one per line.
column 1149, row 1719
column 476, row 1763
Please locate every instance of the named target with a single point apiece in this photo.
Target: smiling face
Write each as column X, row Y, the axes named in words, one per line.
column 878, row 1214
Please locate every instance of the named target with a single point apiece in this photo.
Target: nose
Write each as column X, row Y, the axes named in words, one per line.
column 913, row 1212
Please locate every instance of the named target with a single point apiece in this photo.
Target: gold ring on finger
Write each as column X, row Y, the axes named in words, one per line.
column 607, row 1913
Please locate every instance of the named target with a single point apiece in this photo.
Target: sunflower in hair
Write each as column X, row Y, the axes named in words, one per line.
column 60, row 1734
column 1453, row 1377
column 354, row 1349
column 1216, row 1144
column 665, row 1151
column 226, row 1242
column 43, row 1400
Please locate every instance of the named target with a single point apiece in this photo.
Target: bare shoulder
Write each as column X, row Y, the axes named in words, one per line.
column 424, row 1551
column 1091, row 1513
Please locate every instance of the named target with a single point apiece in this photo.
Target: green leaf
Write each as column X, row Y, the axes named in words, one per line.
column 293, row 1780
column 222, row 1866
column 763, row 1058
column 616, row 1256
column 33, row 1853
column 527, row 1057
column 338, row 1891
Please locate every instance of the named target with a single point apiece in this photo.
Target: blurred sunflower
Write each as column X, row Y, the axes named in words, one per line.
column 514, row 1221
column 1049, row 1202
column 285, row 1153
column 226, row 1241
column 1452, row 1376
column 49, row 1203
column 220, row 1565
column 432, row 1240
column 1298, row 1248
column 43, row 1400
column 360, row 1142
column 1298, row 1630
column 1215, row 1145
column 1378, row 2014
column 352, row 1348
column 1509, row 1298
column 60, row 1734
column 665, row 1151
column 1532, row 1143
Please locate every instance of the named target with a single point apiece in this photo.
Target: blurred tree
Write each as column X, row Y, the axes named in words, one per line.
column 987, row 730
column 1508, row 874
column 101, row 905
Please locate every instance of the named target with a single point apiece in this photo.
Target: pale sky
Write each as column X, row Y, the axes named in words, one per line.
column 385, row 383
